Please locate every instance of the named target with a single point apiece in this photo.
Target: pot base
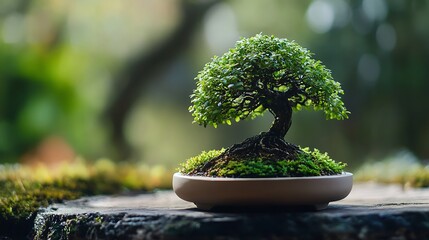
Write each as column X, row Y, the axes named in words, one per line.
column 289, row 192
column 316, row 207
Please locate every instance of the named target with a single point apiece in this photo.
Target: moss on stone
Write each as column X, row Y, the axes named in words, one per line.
column 24, row 189
column 21, row 199
column 307, row 163
column 401, row 167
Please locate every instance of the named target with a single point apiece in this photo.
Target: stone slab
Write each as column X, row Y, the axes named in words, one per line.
column 371, row 211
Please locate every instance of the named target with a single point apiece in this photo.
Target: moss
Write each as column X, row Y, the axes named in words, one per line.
column 399, row 168
column 20, row 199
column 19, row 202
column 307, row 163
column 24, row 189
column 316, row 163
column 199, row 160
column 248, row 168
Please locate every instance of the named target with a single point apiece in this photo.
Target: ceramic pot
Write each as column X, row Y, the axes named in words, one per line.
column 209, row 192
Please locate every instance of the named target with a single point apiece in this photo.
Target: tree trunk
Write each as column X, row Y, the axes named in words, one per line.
column 282, row 112
column 269, row 146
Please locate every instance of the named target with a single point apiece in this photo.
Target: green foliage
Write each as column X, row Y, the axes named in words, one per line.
column 308, row 163
column 39, row 98
column 246, row 80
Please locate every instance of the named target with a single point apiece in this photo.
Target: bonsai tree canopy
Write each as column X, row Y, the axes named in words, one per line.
column 264, row 73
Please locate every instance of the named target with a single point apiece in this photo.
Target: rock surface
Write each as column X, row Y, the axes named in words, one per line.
column 370, row 212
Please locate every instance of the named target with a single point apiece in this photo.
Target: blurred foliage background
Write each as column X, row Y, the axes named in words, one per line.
column 112, row 79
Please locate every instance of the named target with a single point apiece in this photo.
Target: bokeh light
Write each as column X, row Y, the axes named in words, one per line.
column 65, row 64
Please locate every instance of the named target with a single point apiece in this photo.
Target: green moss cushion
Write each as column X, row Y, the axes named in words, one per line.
column 307, row 163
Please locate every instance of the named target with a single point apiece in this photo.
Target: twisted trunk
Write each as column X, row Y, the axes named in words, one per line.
column 269, row 146
column 266, row 145
column 282, row 112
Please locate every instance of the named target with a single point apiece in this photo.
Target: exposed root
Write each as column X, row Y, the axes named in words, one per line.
column 266, row 145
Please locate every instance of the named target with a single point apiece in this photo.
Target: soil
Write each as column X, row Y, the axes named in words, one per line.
column 266, row 145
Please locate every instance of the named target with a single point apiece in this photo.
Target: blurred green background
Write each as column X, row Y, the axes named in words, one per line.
column 112, row 79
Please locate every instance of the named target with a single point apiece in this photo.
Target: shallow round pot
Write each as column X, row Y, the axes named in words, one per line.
column 209, row 192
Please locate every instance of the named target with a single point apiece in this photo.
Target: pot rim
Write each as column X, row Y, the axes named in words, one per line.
column 226, row 179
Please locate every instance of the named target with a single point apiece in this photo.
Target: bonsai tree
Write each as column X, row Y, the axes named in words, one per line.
column 264, row 73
